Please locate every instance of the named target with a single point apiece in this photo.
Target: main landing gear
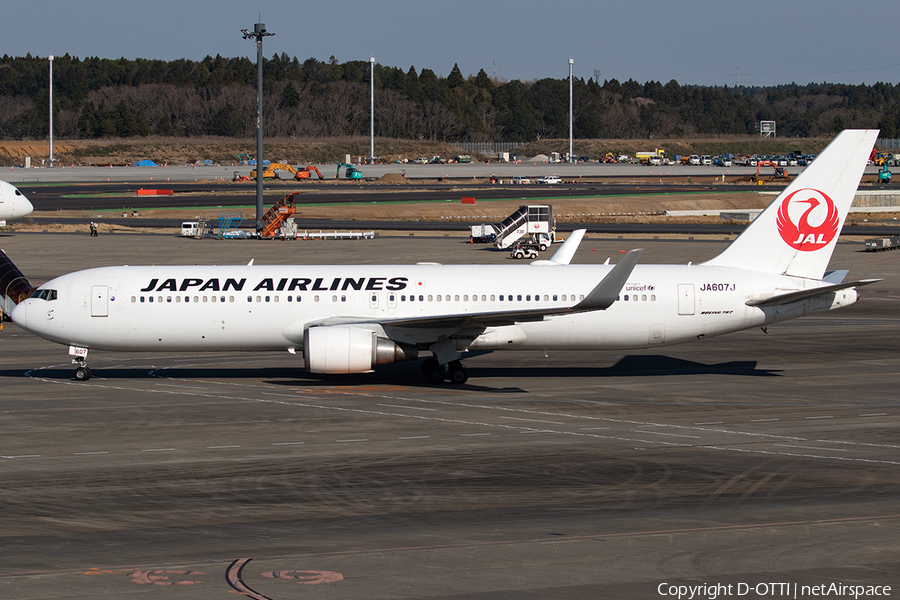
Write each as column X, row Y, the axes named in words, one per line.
column 454, row 372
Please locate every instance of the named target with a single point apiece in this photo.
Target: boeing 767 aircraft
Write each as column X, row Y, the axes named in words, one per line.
column 350, row 319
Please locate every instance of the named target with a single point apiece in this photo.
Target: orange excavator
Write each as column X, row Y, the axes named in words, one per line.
column 307, row 173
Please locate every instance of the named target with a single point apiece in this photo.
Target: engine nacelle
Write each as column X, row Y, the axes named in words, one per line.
column 350, row 350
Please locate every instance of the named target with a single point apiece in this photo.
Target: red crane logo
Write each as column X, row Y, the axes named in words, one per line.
column 800, row 234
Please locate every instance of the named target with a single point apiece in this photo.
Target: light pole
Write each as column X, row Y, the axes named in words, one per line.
column 571, row 156
column 258, row 33
column 51, row 109
column 372, row 110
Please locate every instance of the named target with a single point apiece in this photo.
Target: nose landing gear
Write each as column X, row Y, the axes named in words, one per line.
column 79, row 358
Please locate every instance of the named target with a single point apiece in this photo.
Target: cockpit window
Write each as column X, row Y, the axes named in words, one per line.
column 18, row 193
column 44, row 294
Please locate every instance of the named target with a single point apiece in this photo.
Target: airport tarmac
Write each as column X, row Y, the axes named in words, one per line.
column 188, row 173
column 755, row 459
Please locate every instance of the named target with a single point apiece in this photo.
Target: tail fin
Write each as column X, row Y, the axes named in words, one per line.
column 797, row 233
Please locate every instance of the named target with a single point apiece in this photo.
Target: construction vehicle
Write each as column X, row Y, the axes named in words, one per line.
column 463, row 159
column 351, row 173
column 307, row 173
column 644, row 157
column 780, row 172
column 243, row 159
column 275, row 217
column 270, row 171
column 884, row 174
column 536, row 222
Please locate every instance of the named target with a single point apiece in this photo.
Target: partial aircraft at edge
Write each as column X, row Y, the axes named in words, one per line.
column 350, row 319
column 12, row 203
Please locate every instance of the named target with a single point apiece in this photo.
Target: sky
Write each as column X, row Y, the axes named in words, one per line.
column 702, row 42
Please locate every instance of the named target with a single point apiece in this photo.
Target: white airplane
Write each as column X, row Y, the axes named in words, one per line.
column 12, row 203
column 349, row 319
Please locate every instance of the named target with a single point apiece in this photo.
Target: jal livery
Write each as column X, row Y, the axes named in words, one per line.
column 350, row 319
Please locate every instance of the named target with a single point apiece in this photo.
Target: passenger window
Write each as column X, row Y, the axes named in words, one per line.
column 644, row 297
column 652, row 297
column 197, row 299
column 554, row 298
column 212, row 298
column 168, row 298
column 626, row 297
column 142, row 299
column 519, row 297
column 177, row 299
column 150, row 298
column 421, row 298
column 205, row 299
column 492, row 298
column 133, row 299
column 249, row 299
column 316, row 298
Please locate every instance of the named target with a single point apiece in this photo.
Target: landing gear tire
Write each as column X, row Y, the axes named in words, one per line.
column 434, row 372
column 457, row 373
column 82, row 373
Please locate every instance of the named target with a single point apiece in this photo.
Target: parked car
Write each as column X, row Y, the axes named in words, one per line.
column 522, row 180
column 549, row 179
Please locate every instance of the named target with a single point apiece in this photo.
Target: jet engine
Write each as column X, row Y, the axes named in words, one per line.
column 350, row 350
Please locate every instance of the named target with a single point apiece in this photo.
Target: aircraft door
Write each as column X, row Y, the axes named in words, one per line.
column 685, row 298
column 100, row 301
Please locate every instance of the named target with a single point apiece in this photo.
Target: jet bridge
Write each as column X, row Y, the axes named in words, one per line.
column 527, row 221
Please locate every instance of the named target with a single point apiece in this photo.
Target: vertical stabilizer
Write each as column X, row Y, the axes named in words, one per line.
column 797, row 233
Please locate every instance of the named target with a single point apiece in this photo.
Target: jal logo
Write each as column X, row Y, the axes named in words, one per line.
column 807, row 220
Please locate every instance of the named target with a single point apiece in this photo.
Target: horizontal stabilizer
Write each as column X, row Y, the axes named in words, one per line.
column 811, row 293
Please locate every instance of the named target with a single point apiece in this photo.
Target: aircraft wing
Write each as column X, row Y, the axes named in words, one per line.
column 600, row 298
column 811, row 293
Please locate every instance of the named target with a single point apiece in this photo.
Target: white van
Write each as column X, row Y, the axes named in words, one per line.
column 191, row 228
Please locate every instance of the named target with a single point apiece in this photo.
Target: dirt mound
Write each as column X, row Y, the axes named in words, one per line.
column 392, row 178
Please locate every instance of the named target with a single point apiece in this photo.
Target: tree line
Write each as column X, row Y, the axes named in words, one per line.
column 100, row 98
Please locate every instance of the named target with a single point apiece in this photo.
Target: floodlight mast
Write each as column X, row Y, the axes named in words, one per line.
column 372, row 110
column 571, row 155
column 258, row 33
column 51, row 109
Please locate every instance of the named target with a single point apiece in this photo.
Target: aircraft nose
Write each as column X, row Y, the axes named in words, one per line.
column 23, row 207
column 19, row 314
